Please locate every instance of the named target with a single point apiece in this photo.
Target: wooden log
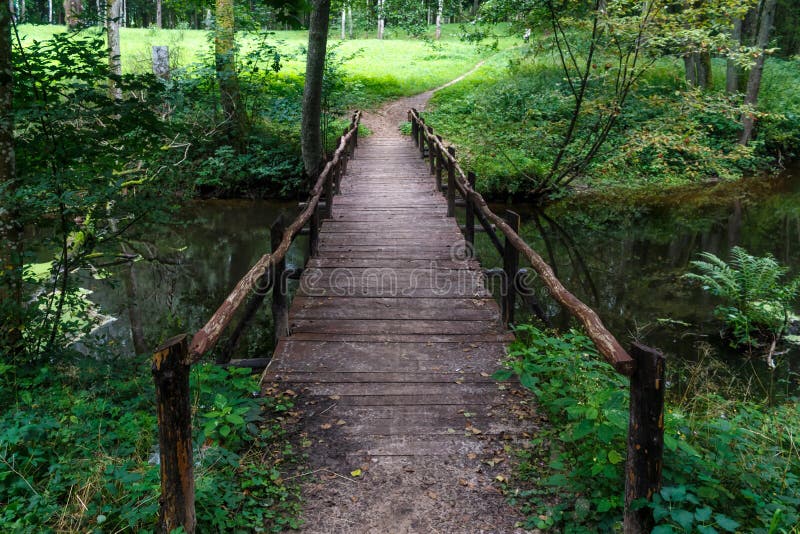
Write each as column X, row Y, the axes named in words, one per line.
column 329, row 195
column 451, row 183
column 171, row 375
column 508, row 297
column 645, row 437
column 280, row 309
column 469, row 230
column 414, row 126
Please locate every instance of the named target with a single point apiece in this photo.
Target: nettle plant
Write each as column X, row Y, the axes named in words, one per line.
column 757, row 299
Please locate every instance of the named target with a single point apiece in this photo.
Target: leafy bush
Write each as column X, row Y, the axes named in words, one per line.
column 757, row 300
column 728, row 465
column 78, row 450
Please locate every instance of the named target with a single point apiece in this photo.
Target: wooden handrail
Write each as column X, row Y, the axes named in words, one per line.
column 209, row 335
column 604, row 340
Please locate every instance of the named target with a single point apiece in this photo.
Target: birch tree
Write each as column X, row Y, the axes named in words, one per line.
column 229, row 92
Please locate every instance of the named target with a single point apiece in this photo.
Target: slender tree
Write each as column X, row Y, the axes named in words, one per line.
column 113, row 15
column 439, row 10
column 230, row 95
column 754, row 80
column 311, row 135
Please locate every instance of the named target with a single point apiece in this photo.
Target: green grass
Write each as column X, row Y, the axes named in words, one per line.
column 390, row 68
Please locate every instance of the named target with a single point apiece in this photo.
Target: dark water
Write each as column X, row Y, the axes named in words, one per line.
column 623, row 256
column 187, row 271
column 626, row 258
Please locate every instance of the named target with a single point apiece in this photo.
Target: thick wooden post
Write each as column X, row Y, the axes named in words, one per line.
column 645, row 437
column 510, row 267
column 469, row 230
column 414, row 127
column 280, row 310
column 171, row 375
column 439, row 165
column 451, row 183
column 432, row 150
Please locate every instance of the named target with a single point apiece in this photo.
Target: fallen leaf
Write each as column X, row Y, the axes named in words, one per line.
column 340, row 422
column 433, row 495
column 472, row 456
column 355, row 473
column 334, row 397
column 485, row 374
column 325, row 426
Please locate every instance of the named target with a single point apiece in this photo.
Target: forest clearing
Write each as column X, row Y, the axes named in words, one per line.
column 400, row 267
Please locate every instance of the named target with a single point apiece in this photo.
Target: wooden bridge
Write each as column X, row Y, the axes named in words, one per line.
column 389, row 345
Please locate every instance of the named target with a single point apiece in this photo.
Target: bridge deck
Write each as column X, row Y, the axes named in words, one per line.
column 393, row 338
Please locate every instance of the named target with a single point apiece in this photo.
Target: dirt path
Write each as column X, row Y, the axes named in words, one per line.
column 385, row 122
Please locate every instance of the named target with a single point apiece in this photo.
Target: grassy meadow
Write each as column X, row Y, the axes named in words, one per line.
column 389, row 68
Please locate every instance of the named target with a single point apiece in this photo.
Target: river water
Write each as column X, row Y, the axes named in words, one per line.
column 624, row 256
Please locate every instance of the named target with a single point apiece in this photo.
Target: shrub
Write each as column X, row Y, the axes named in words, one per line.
column 757, row 300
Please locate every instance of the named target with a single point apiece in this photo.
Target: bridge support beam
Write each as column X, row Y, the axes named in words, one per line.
column 508, row 297
column 451, row 183
column 280, row 310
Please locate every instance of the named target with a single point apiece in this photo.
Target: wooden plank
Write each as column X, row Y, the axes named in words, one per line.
column 394, row 308
column 359, row 326
column 329, row 377
column 407, row 338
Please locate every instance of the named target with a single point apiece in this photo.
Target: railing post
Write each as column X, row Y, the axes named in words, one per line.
column 313, row 231
column 451, row 182
column 645, row 437
column 171, row 376
column 469, row 231
column 439, row 165
column 280, row 311
column 329, row 195
column 510, row 267
column 414, row 127
column 432, row 152
column 421, row 132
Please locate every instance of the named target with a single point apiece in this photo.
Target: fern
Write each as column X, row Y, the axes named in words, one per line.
column 757, row 300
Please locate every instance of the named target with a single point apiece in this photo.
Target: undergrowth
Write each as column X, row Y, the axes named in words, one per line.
column 78, row 450
column 731, row 463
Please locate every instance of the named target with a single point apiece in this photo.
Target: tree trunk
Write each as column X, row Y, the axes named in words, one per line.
column 311, row 136
column 344, row 23
column 114, row 62
column 439, row 19
column 476, row 4
column 350, row 21
column 380, row 19
column 50, row 11
column 229, row 94
column 698, row 69
column 10, row 228
column 733, row 71
column 72, row 13
column 158, row 14
column 754, row 80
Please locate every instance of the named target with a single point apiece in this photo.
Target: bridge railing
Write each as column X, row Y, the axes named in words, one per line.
column 644, row 366
column 173, row 360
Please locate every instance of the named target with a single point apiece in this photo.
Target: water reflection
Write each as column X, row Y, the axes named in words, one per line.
column 627, row 259
column 186, row 271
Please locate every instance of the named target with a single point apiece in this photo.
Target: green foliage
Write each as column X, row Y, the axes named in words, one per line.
column 78, row 450
column 729, row 465
column 757, row 299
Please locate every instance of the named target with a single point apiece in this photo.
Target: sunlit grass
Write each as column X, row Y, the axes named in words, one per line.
column 388, row 68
